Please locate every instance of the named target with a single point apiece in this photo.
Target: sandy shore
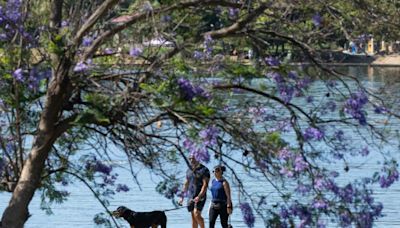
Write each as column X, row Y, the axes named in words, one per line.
column 390, row 60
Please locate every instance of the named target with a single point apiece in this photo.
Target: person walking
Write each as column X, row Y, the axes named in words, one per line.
column 196, row 183
column 221, row 202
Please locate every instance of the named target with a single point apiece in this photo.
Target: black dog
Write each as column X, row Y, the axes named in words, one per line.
column 142, row 219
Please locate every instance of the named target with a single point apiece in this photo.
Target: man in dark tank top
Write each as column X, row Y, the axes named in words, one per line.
column 197, row 178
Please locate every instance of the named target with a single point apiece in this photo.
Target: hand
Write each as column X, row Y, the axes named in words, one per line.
column 180, row 202
column 197, row 199
column 229, row 209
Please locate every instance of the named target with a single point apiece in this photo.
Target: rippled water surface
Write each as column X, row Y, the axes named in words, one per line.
column 80, row 208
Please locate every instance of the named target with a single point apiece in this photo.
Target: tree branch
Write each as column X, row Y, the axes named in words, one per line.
column 98, row 13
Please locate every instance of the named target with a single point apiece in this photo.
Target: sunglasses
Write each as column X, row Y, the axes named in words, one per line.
column 217, row 170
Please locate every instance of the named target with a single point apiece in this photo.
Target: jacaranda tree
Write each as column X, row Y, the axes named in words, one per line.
column 157, row 80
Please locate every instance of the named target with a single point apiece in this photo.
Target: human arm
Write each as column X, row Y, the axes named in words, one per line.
column 227, row 189
column 185, row 188
column 203, row 190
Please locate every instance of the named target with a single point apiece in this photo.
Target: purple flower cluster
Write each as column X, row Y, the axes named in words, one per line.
column 87, row 41
column 317, row 20
column 190, row 91
column 313, row 133
column 354, row 106
column 98, row 166
column 389, row 177
column 364, row 151
column 257, row 113
column 320, row 204
column 290, row 86
column 285, row 154
column 135, row 52
column 18, row 75
column 122, row 188
column 32, row 79
column 233, row 13
column 198, row 55
column 209, row 136
column 10, row 20
column 200, row 152
column 299, row 164
column 80, row 67
column 248, row 215
column 208, row 46
column 272, row 61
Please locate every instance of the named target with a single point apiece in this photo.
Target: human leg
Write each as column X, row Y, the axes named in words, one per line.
column 224, row 217
column 199, row 219
column 213, row 214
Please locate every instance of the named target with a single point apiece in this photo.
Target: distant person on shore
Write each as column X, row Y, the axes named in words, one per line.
column 353, row 47
column 196, row 183
column 221, row 202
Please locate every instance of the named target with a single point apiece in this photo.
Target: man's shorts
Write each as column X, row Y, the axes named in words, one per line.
column 199, row 205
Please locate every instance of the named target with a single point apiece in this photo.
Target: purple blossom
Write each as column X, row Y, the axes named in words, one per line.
column 190, row 91
column 284, row 213
column 122, row 187
column 64, row 24
column 285, row 154
column 247, row 212
column 354, row 105
column 233, row 13
column 331, row 106
column 209, row 135
column 272, row 61
column 339, row 135
column 347, row 193
column 166, row 18
column 333, row 174
column 201, row 154
column 303, row 83
column 313, row 133
column 135, row 51
column 388, row 179
column 317, row 19
column 109, row 51
column 345, row 219
column 319, row 183
column 286, row 92
column 197, row 55
column 18, row 75
column 33, row 79
column 303, row 189
column 299, row 164
column 208, row 46
column 320, row 204
column 380, row 109
column 364, row 151
column 80, row 66
column 257, row 113
column 87, row 41
column 276, row 77
column 287, row 172
column 98, row 166
column 293, row 75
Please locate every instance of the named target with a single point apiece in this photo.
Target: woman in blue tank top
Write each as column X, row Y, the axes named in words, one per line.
column 221, row 203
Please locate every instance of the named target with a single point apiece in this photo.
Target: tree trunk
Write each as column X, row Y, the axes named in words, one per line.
column 16, row 213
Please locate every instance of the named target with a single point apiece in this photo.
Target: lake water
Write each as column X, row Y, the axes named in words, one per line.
column 79, row 209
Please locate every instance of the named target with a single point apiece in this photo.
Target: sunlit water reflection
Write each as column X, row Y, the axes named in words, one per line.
column 81, row 206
